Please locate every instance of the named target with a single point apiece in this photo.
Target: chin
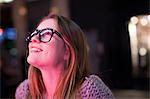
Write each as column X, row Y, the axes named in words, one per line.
column 32, row 61
column 35, row 62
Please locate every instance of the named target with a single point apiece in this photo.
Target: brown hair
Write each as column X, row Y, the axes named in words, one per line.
column 77, row 67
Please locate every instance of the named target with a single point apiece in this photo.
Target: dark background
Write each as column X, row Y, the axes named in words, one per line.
column 110, row 18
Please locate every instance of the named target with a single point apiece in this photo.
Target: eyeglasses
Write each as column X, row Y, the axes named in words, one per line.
column 44, row 35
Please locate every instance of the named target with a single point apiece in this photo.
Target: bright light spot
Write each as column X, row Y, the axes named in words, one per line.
column 1, row 31
column 5, row 1
column 134, row 20
column 22, row 11
column 132, row 29
column 149, row 42
column 133, row 40
column 142, row 51
column 148, row 17
column 143, row 21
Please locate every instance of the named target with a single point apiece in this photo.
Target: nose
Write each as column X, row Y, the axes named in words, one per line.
column 35, row 38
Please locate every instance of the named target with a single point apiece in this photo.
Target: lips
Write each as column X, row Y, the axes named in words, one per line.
column 35, row 49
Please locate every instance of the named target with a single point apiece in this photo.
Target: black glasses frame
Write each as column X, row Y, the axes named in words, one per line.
column 38, row 32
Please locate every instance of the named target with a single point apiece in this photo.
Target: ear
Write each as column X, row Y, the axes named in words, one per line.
column 67, row 52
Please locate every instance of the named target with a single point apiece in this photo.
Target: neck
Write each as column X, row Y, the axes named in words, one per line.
column 50, row 79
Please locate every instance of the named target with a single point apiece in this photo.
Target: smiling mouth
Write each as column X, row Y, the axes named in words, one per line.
column 35, row 49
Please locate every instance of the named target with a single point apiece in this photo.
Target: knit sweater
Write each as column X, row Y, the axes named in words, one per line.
column 92, row 88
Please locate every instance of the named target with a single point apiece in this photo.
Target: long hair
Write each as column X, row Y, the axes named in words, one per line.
column 76, row 69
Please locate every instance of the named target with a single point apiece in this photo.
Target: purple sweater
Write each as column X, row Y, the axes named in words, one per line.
column 92, row 88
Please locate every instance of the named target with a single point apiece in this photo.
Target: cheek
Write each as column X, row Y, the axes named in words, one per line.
column 49, row 54
column 55, row 52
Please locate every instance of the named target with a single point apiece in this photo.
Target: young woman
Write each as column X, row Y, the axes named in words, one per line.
column 58, row 61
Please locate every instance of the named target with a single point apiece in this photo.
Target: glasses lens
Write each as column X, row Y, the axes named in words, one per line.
column 45, row 35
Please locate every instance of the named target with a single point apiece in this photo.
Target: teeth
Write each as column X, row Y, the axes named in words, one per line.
column 35, row 50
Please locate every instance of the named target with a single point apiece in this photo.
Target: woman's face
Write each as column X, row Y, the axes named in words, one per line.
column 50, row 54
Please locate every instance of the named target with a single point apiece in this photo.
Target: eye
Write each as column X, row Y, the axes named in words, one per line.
column 46, row 33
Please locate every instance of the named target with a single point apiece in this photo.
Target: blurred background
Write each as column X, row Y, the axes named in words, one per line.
column 117, row 31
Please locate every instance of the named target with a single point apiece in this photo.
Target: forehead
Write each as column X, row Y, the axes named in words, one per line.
column 48, row 23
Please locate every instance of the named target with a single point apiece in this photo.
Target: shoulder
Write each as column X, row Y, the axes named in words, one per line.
column 94, row 88
column 22, row 90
